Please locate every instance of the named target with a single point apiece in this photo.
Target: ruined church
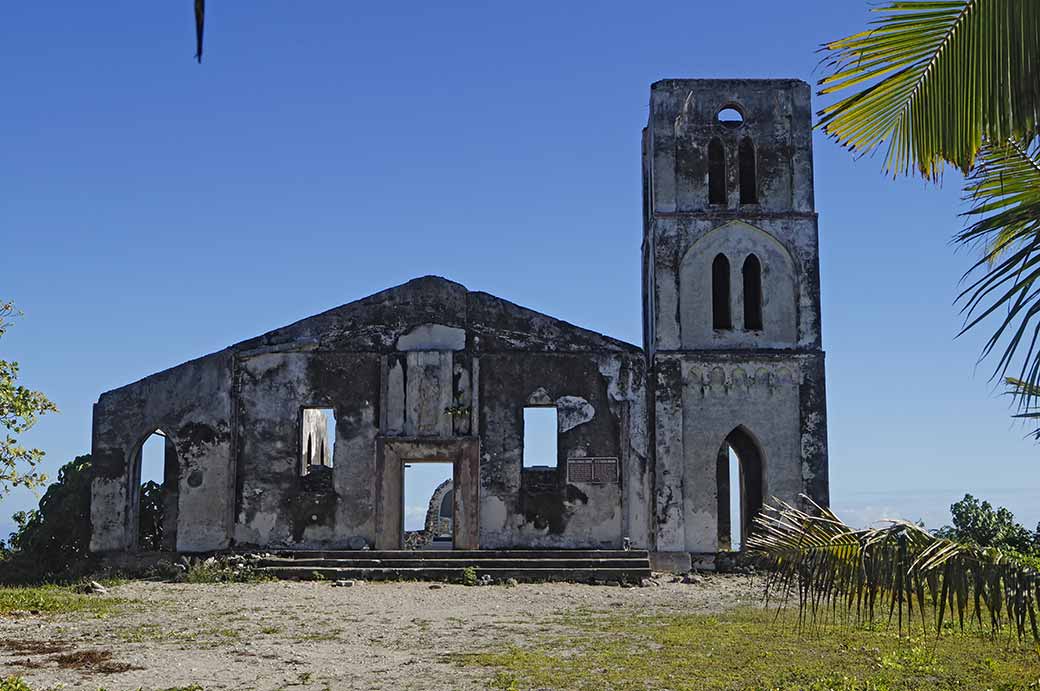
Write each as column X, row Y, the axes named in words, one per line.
column 298, row 438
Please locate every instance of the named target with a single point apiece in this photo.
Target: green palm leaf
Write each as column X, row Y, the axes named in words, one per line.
column 1004, row 193
column 935, row 79
column 836, row 570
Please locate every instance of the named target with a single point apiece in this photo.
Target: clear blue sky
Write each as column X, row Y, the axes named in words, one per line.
column 153, row 210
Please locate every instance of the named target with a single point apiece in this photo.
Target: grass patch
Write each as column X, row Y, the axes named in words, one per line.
column 747, row 650
column 330, row 634
column 204, row 636
column 54, row 599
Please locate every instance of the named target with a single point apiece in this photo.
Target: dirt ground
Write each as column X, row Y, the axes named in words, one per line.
column 314, row 636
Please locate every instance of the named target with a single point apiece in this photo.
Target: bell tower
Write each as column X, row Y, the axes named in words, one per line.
column 731, row 303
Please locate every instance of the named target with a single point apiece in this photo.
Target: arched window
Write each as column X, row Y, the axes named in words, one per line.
column 716, row 173
column 720, row 313
column 739, row 485
column 752, row 293
column 748, row 185
column 154, row 494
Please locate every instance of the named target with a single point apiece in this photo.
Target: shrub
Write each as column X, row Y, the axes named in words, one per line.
column 978, row 523
column 52, row 542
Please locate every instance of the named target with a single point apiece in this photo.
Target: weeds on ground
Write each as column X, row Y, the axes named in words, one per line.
column 753, row 649
column 19, row 684
column 54, row 599
column 215, row 571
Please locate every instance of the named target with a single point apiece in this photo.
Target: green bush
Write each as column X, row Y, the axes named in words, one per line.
column 978, row 523
column 52, row 542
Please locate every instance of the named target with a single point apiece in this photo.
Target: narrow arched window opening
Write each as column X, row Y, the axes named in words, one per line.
column 748, row 183
column 720, row 311
column 740, row 484
column 752, row 293
column 155, row 491
column 716, row 173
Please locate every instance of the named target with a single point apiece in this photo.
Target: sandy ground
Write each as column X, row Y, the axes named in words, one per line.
column 313, row 636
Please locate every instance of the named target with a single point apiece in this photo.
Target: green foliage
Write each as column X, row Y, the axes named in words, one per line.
column 224, row 570
column 19, row 409
column 152, row 513
column 1003, row 193
column 936, row 79
column 14, row 684
column 749, row 650
column 469, row 575
column 900, row 569
column 958, row 81
column 53, row 541
column 979, row 524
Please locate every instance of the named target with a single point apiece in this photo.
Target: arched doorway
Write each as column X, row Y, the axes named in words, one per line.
column 739, row 478
column 154, row 493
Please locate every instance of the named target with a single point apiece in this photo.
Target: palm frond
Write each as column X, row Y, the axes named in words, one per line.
column 1004, row 193
column 1026, row 396
column 200, row 23
column 935, row 79
column 901, row 571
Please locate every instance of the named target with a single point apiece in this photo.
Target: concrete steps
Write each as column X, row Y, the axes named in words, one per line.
column 440, row 565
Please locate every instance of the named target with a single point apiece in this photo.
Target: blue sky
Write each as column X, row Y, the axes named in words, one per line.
column 154, row 210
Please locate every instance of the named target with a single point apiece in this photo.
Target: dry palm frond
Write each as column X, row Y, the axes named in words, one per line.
column 900, row 570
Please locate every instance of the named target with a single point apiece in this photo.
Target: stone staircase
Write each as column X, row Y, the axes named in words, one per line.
column 587, row 566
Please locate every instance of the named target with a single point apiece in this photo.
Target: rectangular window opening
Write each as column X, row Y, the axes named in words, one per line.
column 541, row 433
column 317, row 439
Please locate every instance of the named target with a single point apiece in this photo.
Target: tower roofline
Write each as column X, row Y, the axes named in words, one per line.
column 671, row 83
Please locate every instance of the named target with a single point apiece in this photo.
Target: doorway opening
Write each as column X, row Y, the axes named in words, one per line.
column 429, row 505
column 739, row 477
column 154, row 494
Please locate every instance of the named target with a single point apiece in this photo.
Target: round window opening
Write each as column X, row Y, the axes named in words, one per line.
column 730, row 117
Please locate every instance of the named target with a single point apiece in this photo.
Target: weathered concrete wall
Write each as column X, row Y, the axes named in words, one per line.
column 601, row 403
column 737, row 241
column 776, row 399
column 276, row 508
column 191, row 404
column 684, row 248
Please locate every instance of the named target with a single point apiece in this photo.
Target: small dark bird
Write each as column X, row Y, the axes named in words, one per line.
column 200, row 20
